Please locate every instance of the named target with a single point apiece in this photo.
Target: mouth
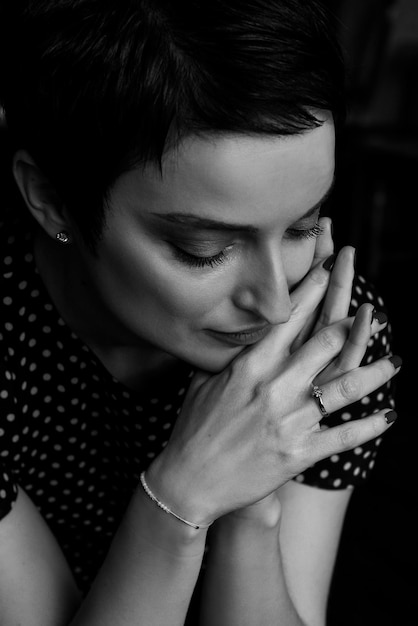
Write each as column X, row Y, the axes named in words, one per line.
column 245, row 337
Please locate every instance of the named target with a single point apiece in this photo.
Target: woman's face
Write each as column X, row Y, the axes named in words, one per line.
column 199, row 261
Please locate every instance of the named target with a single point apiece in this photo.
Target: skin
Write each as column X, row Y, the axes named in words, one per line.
column 248, row 423
column 159, row 304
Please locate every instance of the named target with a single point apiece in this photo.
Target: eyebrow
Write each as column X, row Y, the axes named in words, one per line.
column 206, row 223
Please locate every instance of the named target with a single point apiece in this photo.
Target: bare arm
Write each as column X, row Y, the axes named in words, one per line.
column 36, row 585
column 310, row 532
column 245, row 582
column 150, row 572
column 148, row 577
column 275, row 568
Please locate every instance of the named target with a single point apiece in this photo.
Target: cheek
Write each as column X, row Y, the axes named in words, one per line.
column 298, row 261
column 182, row 296
column 143, row 281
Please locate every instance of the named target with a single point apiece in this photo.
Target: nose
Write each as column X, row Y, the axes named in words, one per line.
column 263, row 288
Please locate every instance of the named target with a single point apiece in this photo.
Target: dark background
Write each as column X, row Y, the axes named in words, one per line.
column 374, row 207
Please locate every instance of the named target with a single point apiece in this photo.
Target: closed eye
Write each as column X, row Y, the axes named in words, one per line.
column 305, row 233
column 193, row 260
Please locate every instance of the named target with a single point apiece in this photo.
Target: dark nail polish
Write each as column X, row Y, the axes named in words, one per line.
column 390, row 417
column 328, row 264
column 379, row 316
column 396, row 361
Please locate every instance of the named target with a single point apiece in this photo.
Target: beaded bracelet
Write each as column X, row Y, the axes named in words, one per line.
column 165, row 508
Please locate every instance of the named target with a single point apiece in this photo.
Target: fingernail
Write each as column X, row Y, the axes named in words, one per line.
column 328, row 264
column 396, row 361
column 390, row 417
column 379, row 316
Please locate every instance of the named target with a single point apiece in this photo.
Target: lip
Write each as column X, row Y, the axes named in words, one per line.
column 245, row 337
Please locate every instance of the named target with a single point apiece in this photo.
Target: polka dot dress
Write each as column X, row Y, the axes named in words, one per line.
column 342, row 471
column 76, row 439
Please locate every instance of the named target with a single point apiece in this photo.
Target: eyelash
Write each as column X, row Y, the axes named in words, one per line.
column 199, row 261
column 315, row 231
column 218, row 259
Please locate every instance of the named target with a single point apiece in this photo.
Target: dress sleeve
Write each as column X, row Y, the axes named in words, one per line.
column 8, row 492
column 347, row 469
column 8, row 439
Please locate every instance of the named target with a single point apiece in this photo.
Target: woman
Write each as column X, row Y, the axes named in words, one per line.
column 193, row 381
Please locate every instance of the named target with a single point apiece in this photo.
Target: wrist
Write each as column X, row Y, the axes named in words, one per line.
column 164, row 531
column 173, row 490
column 166, row 509
column 265, row 514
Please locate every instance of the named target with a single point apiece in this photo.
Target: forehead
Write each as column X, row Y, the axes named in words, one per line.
column 242, row 175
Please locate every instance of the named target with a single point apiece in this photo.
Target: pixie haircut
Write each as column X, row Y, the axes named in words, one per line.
column 92, row 88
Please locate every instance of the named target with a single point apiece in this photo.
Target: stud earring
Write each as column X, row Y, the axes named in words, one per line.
column 62, row 237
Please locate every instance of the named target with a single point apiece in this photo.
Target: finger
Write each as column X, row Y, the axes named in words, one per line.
column 337, row 439
column 320, row 350
column 338, row 297
column 336, row 303
column 366, row 323
column 324, row 252
column 364, row 326
column 324, row 247
column 306, row 297
column 304, row 301
column 357, row 384
column 354, row 348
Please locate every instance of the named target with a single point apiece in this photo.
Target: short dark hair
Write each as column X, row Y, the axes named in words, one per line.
column 92, row 87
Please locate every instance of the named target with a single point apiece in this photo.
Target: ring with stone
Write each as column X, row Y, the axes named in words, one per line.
column 317, row 394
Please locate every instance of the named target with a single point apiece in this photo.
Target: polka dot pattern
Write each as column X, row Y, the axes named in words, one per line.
column 77, row 440
column 344, row 471
column 71, row 435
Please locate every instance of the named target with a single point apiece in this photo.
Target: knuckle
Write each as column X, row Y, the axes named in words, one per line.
column 347, row 437
column 349, row 387
column 319, row 276
column 358, row 432
column 244, row 368
column 376, row 424
column 290, row 456
column 329, row 340
column 325, row 319
column 264, row 393
column 297, row 308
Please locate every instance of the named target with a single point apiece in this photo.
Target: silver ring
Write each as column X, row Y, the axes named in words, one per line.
column 317, row 394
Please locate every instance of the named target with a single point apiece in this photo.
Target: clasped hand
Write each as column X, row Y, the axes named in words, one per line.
column 246, row 431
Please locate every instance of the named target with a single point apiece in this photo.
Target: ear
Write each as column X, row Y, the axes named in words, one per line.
column 39, row 195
